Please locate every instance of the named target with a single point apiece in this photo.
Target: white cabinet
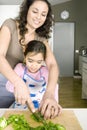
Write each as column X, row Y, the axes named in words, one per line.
column 83, row 72
column 84, row 78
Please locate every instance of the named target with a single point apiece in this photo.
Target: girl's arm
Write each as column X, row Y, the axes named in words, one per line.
column 19, row 69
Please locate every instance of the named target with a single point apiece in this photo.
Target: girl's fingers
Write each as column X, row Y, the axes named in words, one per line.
column 30, row 105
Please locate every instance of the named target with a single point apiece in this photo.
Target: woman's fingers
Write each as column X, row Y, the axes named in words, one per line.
column 56, row 111
column 50, row 108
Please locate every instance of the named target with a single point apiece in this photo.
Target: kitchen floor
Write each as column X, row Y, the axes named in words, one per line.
column 70, row 93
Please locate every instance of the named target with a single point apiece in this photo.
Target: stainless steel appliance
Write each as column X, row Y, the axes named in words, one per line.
column 83, row 51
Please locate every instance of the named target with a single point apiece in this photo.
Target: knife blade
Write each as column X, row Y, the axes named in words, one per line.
column 37, row 115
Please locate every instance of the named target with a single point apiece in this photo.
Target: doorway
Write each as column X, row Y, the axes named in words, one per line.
column 64, row 48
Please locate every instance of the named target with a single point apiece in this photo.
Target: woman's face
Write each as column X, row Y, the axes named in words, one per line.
column 37, row 14
column 34, row 61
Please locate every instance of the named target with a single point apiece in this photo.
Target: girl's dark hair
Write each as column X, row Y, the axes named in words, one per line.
column 36, row 47
column 42, row 31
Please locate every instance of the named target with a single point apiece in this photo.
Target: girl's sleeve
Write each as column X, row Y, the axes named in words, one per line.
column 44, row 72
column 19, row 70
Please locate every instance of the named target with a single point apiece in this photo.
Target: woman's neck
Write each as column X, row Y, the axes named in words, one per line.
column 30, row 30
column 30, row 35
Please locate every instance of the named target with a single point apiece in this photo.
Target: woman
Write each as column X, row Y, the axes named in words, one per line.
column 34, row 22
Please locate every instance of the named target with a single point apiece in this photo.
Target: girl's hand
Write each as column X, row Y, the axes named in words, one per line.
column 49, row 106
column 21, row 93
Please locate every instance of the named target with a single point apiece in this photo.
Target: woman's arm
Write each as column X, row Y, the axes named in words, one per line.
column 53, row 70
column 49, row 101
column 21, row 95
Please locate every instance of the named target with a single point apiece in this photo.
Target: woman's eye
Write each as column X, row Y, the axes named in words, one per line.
column 44, row 15
column 34, row 11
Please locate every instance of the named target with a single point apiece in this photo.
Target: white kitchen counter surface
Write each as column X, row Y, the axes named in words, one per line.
column 81, row 114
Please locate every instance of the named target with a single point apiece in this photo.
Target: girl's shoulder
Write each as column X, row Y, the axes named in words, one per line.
column 19, row 69
column 44, row 68
column 21, row 66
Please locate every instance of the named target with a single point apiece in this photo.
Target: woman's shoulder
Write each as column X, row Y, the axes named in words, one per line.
column 10, row 23
column 9, row 20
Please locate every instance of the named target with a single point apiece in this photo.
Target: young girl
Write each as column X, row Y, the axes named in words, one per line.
column 34, row 73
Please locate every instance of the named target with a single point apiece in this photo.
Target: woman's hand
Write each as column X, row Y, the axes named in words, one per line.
column 49, row 106
column 21, row 93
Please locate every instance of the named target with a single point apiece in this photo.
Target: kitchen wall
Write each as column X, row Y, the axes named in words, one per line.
column 78, row 14
column 8, row 11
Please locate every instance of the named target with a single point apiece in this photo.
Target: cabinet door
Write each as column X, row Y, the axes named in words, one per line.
column 64, row 47
column 84, row 81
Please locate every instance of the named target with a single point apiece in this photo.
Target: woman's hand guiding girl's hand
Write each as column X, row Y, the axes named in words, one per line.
column 21, row 93
column 49, row 107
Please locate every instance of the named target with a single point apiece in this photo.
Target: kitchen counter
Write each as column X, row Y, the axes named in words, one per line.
column 81, row 114
column 83, row 72
column 72, row 119
column 84, row 78
column 81, row 60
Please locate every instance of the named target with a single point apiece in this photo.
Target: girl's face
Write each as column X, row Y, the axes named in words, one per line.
column 37, row 14
column 34, row 61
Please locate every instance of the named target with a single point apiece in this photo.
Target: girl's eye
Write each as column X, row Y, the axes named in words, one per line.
column 39, row 62
column 30, row 61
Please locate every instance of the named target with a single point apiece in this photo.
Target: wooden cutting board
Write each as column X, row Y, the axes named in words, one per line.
column 67, row 119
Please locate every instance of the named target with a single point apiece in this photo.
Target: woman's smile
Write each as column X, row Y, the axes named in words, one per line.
column 37, row 14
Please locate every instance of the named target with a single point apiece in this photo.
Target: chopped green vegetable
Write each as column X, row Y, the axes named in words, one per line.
column 52, row 126
column 19, row 122
column 3, row 123
column 38, row 117
column 60, row 127
column 46, row 126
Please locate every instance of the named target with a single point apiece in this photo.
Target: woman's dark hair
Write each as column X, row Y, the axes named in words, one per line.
column 36, row 47
column 42, row 31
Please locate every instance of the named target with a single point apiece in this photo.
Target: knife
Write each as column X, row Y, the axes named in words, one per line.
column 29, row 107
column 37, row 115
